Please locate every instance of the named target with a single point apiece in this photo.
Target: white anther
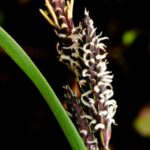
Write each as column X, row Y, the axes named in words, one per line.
column 93, row 31
column 103, row 113
column 92, row 142
column 99, row 126
column 84, row 132
column 93, row 122
column 86, row 116
column 96, row 88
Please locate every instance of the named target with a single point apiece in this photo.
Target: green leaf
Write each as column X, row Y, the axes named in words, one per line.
column 18, row 55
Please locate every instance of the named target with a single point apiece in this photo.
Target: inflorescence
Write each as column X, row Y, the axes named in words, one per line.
column 85, row 55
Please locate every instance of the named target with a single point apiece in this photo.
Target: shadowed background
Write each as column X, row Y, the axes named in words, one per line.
column 26, row 122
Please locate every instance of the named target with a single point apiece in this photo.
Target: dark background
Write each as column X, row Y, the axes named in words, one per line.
column 26, row 122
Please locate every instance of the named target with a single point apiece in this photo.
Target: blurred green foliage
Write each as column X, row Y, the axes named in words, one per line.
column 129, row 37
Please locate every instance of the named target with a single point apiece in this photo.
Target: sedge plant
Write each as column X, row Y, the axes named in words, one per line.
column 87, row 121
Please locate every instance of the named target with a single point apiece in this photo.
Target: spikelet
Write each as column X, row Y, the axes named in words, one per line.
column 84, row 52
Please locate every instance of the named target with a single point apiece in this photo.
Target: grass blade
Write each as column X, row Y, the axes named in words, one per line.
column 18, row 55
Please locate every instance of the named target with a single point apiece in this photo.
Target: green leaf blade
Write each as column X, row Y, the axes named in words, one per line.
column 18, row 55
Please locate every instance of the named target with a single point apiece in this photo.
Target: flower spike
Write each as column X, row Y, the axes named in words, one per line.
column 85, row 54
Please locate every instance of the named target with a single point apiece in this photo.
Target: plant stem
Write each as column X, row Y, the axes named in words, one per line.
column 18, row 55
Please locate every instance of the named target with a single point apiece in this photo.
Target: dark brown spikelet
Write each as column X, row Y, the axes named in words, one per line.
column 59, row 14
column 81, row 122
